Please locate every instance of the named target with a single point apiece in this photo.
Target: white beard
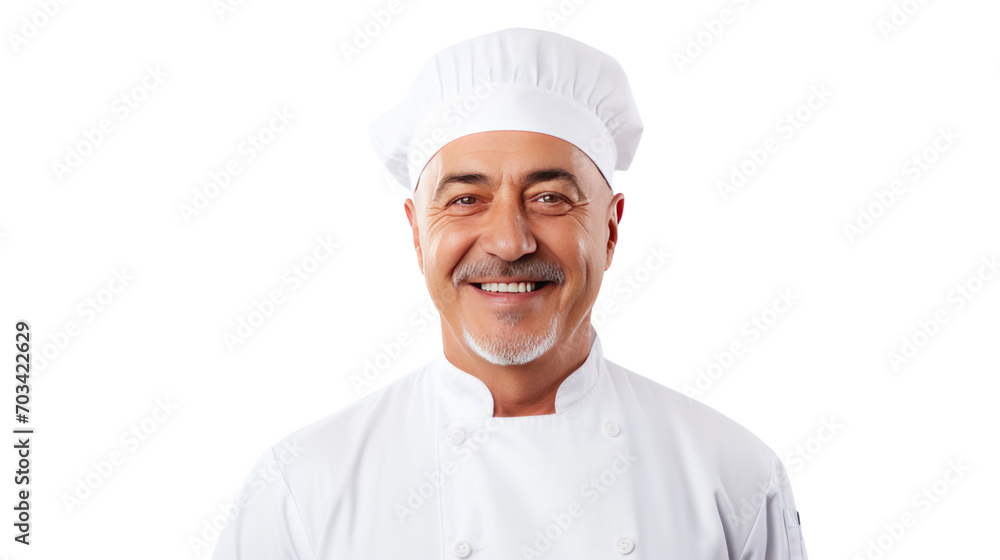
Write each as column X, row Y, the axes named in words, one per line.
column 508, row 347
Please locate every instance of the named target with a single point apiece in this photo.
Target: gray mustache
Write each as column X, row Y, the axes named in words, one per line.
column 542, row 270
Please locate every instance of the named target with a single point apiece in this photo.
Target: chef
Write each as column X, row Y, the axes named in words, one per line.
column 520, row 439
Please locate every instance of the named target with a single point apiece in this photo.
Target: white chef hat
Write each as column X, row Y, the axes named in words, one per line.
column 514, row 79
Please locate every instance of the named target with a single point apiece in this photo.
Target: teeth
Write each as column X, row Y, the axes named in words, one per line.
column 507, row 287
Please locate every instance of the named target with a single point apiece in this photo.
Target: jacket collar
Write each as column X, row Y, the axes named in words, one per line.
column 463, row 395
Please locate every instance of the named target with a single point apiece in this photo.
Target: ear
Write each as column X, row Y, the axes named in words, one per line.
column 616, row 208
column 411, row 215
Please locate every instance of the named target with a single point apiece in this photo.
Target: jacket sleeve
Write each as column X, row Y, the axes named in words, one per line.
column 265, row 524
column 776, row 533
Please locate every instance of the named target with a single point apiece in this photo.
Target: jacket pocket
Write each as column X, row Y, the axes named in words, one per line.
column 793, row 532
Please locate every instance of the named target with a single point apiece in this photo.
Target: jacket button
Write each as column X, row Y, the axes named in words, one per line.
column 456, row 437
column 625, row 545
column 611, row 429
column 463, row 549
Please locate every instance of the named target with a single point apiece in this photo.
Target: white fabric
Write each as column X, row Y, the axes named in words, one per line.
column 515, row 79
column 624, row 466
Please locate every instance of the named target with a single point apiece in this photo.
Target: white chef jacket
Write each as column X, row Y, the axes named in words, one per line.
column 420, row 469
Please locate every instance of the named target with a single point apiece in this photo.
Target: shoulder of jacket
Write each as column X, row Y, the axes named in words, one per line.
column 359, row 418
column 688, row 420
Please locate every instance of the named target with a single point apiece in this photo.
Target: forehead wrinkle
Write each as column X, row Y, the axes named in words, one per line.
column 527, row 179
column 474, row 161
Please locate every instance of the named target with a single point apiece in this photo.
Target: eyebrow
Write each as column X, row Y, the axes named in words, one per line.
column 538, row 176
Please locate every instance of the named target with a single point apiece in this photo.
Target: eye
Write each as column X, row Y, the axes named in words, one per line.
column 553, row 198
column 471, row 199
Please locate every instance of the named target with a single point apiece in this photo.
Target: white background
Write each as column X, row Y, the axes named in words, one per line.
column 825, row 361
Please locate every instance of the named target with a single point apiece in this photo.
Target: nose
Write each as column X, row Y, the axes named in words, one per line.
column 507, row 233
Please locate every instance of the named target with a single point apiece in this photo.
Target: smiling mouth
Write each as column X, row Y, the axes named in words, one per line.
column 508, row 287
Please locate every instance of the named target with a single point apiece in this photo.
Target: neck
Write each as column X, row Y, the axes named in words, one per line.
column 529, row 389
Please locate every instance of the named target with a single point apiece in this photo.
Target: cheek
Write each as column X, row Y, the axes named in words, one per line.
column 572, row 245
column 444, row 249
column 589, row 256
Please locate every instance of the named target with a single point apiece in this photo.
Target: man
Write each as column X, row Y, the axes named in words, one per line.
column 520, row 440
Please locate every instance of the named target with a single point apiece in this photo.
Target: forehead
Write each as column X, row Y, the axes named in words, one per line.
column 501, row 144
column 514, row 152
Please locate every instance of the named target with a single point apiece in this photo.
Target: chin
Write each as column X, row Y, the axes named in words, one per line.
column 511, row 346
